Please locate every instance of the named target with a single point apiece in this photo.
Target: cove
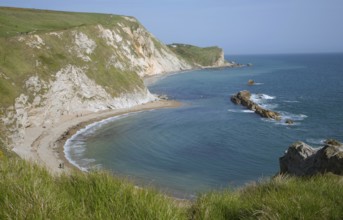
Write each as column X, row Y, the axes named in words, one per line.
column 210, row 143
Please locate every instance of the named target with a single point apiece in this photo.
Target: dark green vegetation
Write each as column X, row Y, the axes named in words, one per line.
column 30, row 192
column 202, row 56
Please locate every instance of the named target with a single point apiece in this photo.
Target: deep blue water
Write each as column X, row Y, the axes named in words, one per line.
column 209, row 142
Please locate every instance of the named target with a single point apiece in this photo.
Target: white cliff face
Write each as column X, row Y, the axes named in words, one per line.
column 140, row 52
column 35, row 42
column 74, row 92
column 221, row 61
column 71, row 93
column 48, row 95
column 84, row 46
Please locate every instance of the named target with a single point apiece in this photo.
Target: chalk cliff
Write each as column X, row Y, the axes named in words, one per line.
column 90, row 62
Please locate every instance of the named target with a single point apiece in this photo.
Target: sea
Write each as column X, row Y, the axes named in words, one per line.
column 209, row 143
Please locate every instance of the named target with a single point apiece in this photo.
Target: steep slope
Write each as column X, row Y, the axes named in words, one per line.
column 61, row 63
column 201, row 57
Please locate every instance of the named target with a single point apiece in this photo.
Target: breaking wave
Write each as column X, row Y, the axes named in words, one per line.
column 240, row 111
column 74, row 147
column 262, row 100
column 315, row 141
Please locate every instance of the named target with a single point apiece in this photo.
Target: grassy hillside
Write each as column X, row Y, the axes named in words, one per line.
column 202, row 56
column 30, row 192
column 17, row 21
column 319, row 197
column 18, row 61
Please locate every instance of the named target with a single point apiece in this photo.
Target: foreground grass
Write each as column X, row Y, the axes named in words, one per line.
column 28, row 191
column 320, row 197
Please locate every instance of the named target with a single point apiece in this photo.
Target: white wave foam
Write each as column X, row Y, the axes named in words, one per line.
column 261, row 97
column 315, row 141
column 269, row 106
column 262, row 100
column 258, row 84
column 75, row 144
column 290, row 101
column 264, row 96
column 240, row 111
column 248, row 111
column 294, row 117
column 233, row 110
column 285, row 116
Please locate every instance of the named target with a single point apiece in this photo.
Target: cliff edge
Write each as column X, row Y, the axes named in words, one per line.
column 54, row 64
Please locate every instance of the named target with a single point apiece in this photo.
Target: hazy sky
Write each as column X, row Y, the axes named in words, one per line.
column 238, row 26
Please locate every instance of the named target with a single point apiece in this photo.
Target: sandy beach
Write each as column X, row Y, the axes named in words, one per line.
column 44, row 145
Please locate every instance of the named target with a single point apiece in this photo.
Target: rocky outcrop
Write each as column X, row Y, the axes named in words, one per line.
column 243, row 98
column 289, row 121
column 303, row 160
column 251, row 82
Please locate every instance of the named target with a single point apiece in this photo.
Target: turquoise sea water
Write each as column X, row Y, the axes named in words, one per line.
column 209, row 142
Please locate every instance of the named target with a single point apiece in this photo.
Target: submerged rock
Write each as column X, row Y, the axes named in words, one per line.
column 243, row 98
column 303, row 160
column 289, row 121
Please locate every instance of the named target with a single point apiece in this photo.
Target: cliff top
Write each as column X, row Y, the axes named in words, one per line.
column 203, row 56
column 18, row 21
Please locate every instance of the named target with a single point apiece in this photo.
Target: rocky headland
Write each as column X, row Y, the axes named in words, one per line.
column 243, row 98
column 303, row 160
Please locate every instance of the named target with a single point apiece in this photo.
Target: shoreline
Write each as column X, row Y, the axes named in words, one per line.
column 151, row 79
column 45, row 146
column 155, row 105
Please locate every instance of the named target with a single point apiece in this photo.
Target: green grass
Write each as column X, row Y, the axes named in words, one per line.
column 18, row 21
column 18, row 63
column 28, row 191
column 202, row 56
column 320, row 197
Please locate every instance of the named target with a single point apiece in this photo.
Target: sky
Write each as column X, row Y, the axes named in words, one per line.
column 237, row 26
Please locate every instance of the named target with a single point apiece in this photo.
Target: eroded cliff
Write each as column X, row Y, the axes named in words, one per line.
column 90, row 62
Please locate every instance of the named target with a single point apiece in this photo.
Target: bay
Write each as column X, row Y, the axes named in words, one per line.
column 209, row 142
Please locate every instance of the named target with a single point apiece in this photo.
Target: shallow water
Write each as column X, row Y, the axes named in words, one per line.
column 209, row 142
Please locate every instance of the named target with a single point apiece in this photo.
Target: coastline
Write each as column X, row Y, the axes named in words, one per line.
column 45, row 146
column 151, row 79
